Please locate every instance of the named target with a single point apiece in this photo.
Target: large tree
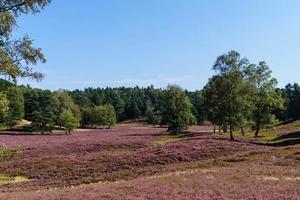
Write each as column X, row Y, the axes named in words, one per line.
column 175, row 109
column 225, row 91
column 265, row 96
column 18, row 55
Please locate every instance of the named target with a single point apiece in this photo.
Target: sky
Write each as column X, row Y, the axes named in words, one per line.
column 110, row 43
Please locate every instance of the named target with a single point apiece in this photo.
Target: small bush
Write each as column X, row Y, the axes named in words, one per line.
column 6, row 153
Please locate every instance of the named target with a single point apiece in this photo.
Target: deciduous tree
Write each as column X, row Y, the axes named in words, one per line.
column 18, row 56
column 175, row 109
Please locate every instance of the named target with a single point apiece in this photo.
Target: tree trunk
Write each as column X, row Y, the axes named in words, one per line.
column 242, row 130
column 257, row 130
column 231, row 133
column 214, row 129
column 219, row 129
column 224, row 128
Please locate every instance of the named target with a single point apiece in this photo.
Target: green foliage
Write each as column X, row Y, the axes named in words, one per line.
column 63, row 102
column 105, row 115
column 129, row 103
column 40, row 109
column 4, row 106
column 8, row 153
column 87, row 118
column 175, row 109
column 291, row 93
column 150, row 116
column 16, row 105
column 111, row 115
column 265, row 96
column 17, row 56
column 197, row 101
column 69, row 121
column 241, row 94
column 225, row 92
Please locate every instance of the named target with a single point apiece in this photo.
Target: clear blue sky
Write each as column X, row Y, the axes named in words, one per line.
column 103, row 43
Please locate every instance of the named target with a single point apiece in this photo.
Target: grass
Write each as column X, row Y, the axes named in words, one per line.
column 167, row 139
column 265, row 135
column 6, row 153
column 12, row 180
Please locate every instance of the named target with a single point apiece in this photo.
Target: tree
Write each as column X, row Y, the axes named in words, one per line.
column 214, row 102
column 197, row 101
column 81, row 98
column 105, row 115
column 225, row 91
column 175, row 109
column 69, row 121
column 100, row 114
column 113, row 97
column 16, row 105
column 241, row 94
column 40, row 109
column 292, row 95
column 17, row 56
column 64, row 102
column 111, row 115
column 266, row 98
column 4, row 106
column 87, row 118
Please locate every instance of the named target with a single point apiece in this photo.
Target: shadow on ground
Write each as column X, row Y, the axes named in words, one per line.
column 289, row 139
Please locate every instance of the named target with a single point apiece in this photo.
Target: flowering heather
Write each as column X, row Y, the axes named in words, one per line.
column 128, row 163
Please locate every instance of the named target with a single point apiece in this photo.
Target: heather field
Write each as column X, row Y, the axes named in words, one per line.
column 137, row 161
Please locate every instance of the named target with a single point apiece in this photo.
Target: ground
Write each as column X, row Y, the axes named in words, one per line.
column 141, row 162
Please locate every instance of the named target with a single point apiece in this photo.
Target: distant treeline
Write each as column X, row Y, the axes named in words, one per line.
column 104, row 106
column 47, row 109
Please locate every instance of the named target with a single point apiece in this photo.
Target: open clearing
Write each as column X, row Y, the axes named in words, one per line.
column 141, row 162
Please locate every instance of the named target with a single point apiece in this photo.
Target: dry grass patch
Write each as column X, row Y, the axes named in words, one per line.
column 12, row 180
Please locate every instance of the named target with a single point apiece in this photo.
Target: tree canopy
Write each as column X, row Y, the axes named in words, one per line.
column 241, row 94
column 18, row 55
column 175, row 109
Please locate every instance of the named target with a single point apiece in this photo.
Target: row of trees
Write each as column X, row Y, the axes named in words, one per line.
column 47, row 110
column 64, row 109
column 134, row 103
column 241, row 94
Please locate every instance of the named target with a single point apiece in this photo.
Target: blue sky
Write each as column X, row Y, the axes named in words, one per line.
column 103, row 43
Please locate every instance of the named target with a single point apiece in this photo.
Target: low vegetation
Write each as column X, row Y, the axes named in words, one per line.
column 90, row 164
column 6, row 153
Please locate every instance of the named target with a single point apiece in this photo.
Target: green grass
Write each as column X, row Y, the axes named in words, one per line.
column 265, row 135
column 6, row 153
column 167, row 139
